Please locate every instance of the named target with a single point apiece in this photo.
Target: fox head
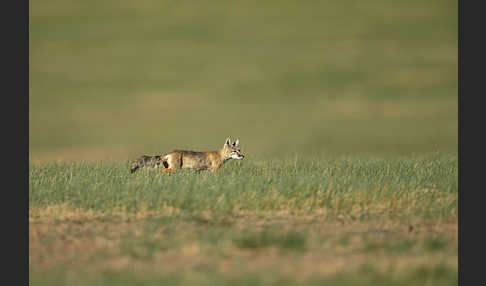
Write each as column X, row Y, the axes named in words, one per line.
column 232, row 151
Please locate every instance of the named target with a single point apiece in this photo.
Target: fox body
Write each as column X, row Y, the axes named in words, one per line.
column 184, row 159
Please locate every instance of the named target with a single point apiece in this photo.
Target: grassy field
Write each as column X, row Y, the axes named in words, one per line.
column 346, row 112
column 110, row 80
column 345, row 221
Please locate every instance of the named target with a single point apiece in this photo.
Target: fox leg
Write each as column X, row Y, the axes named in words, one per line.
column 215, row 170
column 171, row 164
column 166, row 167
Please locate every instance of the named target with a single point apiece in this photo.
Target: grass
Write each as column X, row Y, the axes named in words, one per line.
column 112, row 80
column 291, row 185
column 265, row 222
column 346, row 112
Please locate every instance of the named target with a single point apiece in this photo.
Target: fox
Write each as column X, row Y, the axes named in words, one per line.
column 185, row 159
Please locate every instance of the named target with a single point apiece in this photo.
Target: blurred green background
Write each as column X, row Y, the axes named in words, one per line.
column 111, row 80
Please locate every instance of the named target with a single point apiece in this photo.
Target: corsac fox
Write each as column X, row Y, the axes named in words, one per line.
column 182, row 159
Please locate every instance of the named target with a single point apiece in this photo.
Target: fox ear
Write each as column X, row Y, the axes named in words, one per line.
column 237, row 142
column 227, row 142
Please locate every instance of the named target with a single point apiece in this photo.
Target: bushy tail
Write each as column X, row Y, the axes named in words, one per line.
column 145, row 161
column 134, row 168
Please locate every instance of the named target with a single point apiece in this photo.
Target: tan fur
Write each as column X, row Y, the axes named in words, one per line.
column 185, row 159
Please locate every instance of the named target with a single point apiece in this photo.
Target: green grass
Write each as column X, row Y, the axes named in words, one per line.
column 266, row 222
column 267, row 238
column 113, row 80
column 439, row 275
column 346, row 112
column 407, row 185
